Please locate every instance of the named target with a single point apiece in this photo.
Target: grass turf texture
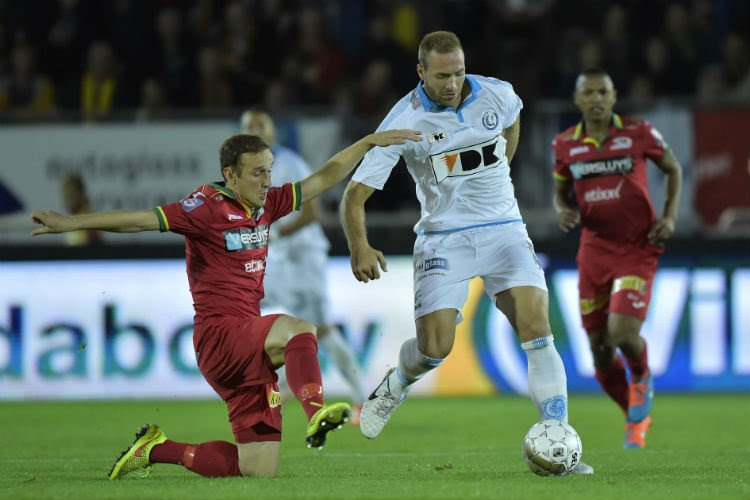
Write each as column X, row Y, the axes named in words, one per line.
column 699, row 447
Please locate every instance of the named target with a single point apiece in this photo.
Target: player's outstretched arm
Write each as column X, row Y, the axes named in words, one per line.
column 663, row 228
column 340, row 164
column 116, row 221
column 364, row 259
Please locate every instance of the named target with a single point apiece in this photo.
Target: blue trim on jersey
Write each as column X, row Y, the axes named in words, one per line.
column 466, row 228
column 429, row 105
column 474, row 86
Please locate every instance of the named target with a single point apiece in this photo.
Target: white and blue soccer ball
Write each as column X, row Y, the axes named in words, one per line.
column 552, row 448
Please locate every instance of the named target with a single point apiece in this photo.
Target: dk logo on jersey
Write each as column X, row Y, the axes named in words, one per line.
column 465, row 161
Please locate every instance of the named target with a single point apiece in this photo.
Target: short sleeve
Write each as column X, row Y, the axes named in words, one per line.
column 189, row 216
column 509, row 103
column 378, row 163
column 561, row 170
column 377, row 166
column 280, row 201
column 654, row 145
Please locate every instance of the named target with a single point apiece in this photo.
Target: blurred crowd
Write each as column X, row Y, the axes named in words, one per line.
column 92, row 59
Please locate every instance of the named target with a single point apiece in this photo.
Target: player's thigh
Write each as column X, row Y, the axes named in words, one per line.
column 506, row 259
column 255, row 413
column 631, row 287
column 594, row 288
column 526, row 309
column 443, row 267
column 436, row 332
column 230, row 352
column 283, row 329
column 259, row 459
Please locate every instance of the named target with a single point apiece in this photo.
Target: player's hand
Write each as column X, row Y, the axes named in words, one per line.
column 365, row 261
column 390, row 137
column 51, row 222
column 662, row 230
column 568, row 218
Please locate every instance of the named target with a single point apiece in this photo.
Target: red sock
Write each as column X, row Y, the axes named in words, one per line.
column 211, row 459
column 303, row 371
column 169, row 452
column 615, row 383
column 638, row 365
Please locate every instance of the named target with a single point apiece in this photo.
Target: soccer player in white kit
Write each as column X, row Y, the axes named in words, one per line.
column 470, row 226
column 295, row 280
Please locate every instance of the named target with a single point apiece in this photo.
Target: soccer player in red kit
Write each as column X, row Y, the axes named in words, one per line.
column 603, row 161
column 226, row 227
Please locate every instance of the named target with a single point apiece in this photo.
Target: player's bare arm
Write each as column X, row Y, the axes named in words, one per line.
column 340, row 164
column 512, row 134
column 567, row 216
column 663, row 228
column 364, row 259
column 120, row 221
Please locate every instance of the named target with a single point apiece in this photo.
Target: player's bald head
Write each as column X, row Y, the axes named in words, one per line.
column 258, row 122
column 598, row 73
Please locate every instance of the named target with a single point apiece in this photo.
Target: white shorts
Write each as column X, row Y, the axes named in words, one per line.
column 298, row 287
column 502, row 255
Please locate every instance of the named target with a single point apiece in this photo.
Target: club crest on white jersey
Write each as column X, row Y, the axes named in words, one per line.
column 490, row 119
column 465, row 161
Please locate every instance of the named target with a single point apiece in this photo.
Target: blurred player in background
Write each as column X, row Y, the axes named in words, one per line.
column 226, row 228
column 297, row 261
column 603, row 160
column 470, row 226
column 76, row 201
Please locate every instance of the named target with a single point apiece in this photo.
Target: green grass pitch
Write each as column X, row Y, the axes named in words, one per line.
column 699, row 447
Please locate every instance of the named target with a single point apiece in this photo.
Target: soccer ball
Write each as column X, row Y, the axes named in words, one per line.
column 552, row 448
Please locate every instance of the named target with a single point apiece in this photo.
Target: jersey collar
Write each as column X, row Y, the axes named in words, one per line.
column 429, row 105
column 581, row 128
column 220, row 187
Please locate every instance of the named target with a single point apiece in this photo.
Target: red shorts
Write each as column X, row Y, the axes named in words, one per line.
column 232, row 358
column 614, row 281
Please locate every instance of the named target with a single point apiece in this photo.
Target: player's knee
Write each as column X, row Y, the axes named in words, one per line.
column 434, row 344
column 260, row 459
column 439, row 349
column 619, row 334
column 258, row 468
column 532, row 327
column 257, row 471
column 289, row 327
column 284, row 329
column 300, row 326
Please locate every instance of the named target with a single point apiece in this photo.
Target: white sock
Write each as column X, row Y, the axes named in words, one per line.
column 343, row 357
column 548, row 385
column 412, row 364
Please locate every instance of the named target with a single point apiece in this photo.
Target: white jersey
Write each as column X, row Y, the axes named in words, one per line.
column 288, row 166
column 460, row 168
